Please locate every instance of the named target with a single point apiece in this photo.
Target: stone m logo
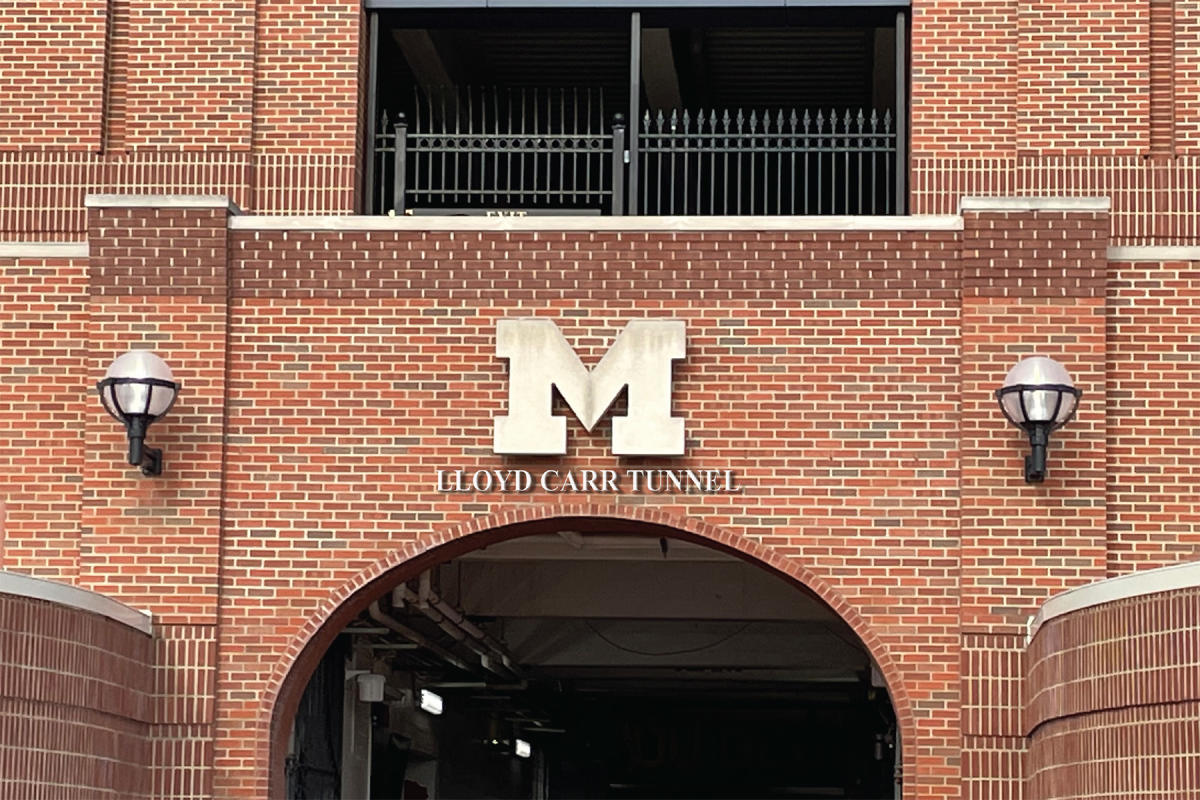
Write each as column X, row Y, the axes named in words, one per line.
column 539, row 358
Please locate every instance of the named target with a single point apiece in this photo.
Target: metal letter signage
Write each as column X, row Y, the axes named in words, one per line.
column 540, row 358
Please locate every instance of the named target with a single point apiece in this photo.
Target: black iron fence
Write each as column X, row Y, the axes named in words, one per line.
column 483, row 150
column 768, row 163
column 561, row 151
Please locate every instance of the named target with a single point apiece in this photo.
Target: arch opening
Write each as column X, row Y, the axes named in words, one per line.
column 585, row 658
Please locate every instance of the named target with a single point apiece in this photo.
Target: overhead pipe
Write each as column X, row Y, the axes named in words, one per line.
column 486, row 657
column 454, row 622
column 427, row 597
column 376, row 613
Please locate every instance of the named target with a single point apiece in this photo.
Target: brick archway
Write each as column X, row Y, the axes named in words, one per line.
column 295, row 667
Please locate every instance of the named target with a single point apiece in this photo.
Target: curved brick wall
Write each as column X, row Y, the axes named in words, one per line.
column 1113, row 701
column 74, row 702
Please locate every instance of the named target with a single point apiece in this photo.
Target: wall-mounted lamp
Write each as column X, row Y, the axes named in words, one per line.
column 138, row 389
column 1039, row 397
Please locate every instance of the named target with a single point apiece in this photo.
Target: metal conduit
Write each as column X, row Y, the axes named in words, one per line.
column 454, row 622
column 387, row 621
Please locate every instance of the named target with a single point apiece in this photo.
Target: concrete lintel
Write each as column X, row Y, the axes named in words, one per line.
column 43, row 249
column 1154, row 253
column 1053, row 203
column 161, row 201
column 1136, row 584
column 938, row 222
column 63, row 594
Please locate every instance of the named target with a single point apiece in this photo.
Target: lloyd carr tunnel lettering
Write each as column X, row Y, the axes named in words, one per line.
column 540, row 361
column 633, row 481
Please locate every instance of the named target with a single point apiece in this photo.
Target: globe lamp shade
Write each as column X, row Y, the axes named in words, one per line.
column 137, row 390
column 1038, row 396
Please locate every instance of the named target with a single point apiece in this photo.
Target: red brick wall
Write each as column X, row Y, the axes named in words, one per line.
column 964, row 77
column 74, row 703
column 1162, row 76
column 43, row 335
column 1041, row 77
column 189, row 75
column 1153, row 413
column 158, row 281
column 398, row 327
column 306, row 97
column 51, row 74
column 1187, row 76
column 1032, row 284
column 1055, row 98
column 845, row 375
column 1083, row 77
column 1112, row 700
column 170, row 297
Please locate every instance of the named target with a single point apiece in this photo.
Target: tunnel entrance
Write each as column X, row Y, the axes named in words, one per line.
column 579, row 665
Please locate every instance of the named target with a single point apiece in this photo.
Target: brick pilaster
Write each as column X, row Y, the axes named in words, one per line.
column 158, row 281
column 1033, row 284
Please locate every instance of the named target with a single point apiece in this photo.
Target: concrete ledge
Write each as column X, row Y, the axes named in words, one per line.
column 43, row 250
column 1136, row 584
column 13, row 583
column 1154, row 253
column 1034, row 204
column 944, row 222
column 160, row 201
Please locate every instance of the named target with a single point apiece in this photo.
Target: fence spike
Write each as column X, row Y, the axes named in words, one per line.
column 660, row 120
column 887, row 121
column 820, row 121
column 860, row 120
column 874, row 120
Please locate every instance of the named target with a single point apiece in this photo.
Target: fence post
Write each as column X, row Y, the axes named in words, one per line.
column 901, row 113
column 401, row 150
column 618, row 166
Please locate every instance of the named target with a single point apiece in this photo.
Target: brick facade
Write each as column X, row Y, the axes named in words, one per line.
column 845, row 373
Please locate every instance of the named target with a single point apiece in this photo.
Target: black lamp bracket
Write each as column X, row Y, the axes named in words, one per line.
column 1035, row 462
column 148, row 458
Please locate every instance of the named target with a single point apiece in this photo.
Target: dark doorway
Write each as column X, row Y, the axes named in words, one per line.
column 576, row 665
